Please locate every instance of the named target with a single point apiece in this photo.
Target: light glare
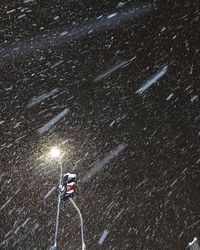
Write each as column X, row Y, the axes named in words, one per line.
column 55, row 152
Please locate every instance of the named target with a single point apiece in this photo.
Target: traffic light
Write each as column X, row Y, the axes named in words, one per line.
column 194, row 245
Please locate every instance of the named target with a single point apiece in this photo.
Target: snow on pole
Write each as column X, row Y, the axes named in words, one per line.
column 153, row 80
column 99, row 165
column 38, row 99
column 103, row 237
column 53, row 121
column 111, row 70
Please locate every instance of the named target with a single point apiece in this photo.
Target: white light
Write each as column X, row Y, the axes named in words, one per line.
column 55, row 152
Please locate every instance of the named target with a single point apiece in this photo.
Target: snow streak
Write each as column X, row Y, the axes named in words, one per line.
column 53, row 121
column 112, row 154
column 6, row 203
column 81, row 30
column 153, row 80
column 103, row 237
column 109, row 71
column 42, row 97
column 169, row 97
column 50, row 192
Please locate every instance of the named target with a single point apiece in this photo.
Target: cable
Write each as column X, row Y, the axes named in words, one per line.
column 81, row 223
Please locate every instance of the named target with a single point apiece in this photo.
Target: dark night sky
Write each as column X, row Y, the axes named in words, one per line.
column 147, row 197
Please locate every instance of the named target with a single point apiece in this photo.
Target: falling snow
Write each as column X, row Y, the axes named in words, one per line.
column 152, row 80
column 53, row 121
column 114, row 85
column 99, row 165
column 111, row 70
column 39, row 99
column 103, row 237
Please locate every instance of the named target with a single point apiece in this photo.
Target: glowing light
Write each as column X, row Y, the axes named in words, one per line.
column 55, row 152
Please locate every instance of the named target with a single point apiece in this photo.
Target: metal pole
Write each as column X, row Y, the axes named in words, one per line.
column 81, row 223
column 58, row 210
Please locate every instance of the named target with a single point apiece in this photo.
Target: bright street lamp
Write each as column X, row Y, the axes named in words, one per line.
column 55, row 152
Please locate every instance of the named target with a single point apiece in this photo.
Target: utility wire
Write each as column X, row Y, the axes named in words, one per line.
column 81, row 223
